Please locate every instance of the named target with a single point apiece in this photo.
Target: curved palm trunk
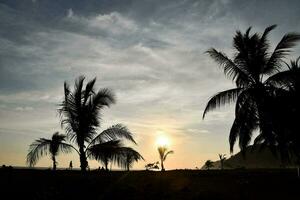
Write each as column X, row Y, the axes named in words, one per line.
column 54, row 162
column 83, row 159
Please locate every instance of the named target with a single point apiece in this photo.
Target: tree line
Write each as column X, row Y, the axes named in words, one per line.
column 80, row 114
column 266, row 97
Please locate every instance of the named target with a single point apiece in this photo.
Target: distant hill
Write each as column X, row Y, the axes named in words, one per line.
column 255, row 158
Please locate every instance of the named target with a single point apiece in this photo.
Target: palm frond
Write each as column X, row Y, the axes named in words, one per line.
column 282, row 79
column 231, row 70
column 104, row 97
column 66, row 148
column 37, row 149
column 114, row 132
column 89, row 90
column 266, row 33
column 222, row 98
column 286, row 79
column 103, row 150
column 169, row 152
column 263, row 42
column 161, row 151
column 281, row 50
column 126, row 157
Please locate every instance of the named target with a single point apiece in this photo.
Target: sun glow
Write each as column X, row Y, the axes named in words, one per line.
column 162, row 141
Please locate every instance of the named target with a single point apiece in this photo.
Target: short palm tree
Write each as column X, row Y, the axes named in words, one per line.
column 163, row 153
column 80, row 115
column 222, row 158
column 252, row 64
column 208, row 164
column 42, row 147
column 114, row 152
column 129, row 156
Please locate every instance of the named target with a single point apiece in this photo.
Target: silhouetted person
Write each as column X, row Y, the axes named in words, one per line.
column 71, row 165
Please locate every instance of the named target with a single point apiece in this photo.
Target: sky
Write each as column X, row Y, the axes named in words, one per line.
column 151, row 53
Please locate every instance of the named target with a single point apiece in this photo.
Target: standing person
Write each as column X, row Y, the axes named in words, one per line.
column 71, row 165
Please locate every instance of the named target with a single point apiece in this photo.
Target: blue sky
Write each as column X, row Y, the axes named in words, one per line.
column 151, row 53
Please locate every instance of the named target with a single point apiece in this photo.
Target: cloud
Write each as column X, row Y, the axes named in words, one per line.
column 70, row 13
column 26, row 108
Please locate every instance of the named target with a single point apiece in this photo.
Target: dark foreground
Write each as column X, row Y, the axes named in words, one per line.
column 178, row 184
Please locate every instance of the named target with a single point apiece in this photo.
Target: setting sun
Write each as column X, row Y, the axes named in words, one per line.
column 162, row 141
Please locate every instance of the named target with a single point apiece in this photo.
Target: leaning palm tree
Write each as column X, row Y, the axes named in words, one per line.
column 252, row 64
column 42, row 147
column 80, row 115
column 163, row 153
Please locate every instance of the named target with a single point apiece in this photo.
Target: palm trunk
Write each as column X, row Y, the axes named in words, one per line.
column 54, row 163
column 106, row 164
column 83, row 159
column 162, row 165
column 127, row 163
column 127, row 167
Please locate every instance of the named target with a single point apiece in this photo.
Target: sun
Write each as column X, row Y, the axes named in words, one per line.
column 162, row 141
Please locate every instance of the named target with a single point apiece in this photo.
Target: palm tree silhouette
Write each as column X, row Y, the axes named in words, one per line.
column 113, row 151
column 286, row 114
column 208, row 164
column 222, row 159
column 80, row 115
column 42, row 147
column 163, row 153
column 129, row 156
column 250, row 67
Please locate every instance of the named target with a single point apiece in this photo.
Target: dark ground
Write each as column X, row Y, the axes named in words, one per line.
column 177, row 184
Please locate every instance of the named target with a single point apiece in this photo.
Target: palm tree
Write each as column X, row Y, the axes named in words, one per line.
column 129, row 156
column 80, row 115
column 42, row 147
column 287, row 110
column 208, row 164
column 252, row 64
column 113, row 151
column 222, row 159
column 163, row 153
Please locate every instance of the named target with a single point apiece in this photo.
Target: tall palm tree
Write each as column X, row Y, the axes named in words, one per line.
column 252, row 64
column 163, row 153
column 80, row 115
column 287, row 110
column 42, row 147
